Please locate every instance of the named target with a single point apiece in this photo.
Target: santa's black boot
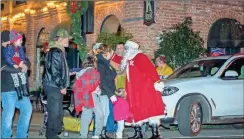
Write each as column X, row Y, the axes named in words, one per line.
column 156, row 132
column 138, row 133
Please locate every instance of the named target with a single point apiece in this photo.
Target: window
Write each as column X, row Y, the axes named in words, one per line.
column 226, row 34
column 19, row 2
column 200, row 68
column 2, row 7
column 236, row 66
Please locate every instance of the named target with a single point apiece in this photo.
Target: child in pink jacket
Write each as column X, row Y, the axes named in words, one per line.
column 121, row 111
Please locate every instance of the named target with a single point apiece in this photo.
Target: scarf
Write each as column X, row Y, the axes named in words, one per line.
column 20, row 84
column 53, row 44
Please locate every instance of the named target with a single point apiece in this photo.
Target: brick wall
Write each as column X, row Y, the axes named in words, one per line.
column 102, row 11
column 48, row 21
column 130, row 14
column 31, row 25
column 168, row 12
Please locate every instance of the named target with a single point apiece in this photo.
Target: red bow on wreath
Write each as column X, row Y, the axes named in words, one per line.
column 73, row 7
column 45, row 47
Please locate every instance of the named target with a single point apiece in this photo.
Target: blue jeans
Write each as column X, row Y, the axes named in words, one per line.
column 111, row 126
column 9, row 103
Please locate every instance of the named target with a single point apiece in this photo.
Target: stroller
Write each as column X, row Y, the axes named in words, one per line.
column 45, row 116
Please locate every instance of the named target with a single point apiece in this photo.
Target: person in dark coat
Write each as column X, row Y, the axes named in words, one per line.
column 55, row 82
column 108, row 87
column 10, row 98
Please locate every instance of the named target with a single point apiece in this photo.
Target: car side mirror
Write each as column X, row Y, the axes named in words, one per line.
column 231, row 73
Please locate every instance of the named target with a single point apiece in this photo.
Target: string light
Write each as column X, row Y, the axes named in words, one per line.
column 4, row 18
column 50, row 5
column 64, row 3
column 27, row 10
column 45, row 9
column 57, row 5
column 32, row 11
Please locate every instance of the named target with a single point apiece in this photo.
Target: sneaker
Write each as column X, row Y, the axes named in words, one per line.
column 95, row 137
column 119, row 135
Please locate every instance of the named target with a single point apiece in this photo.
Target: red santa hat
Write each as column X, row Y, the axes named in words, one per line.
column 131, row 44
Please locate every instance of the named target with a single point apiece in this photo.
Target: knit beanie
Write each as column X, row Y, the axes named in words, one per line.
column 14, row 36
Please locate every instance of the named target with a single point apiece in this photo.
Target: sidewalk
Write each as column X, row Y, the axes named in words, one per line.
column 36, row 123
column 36, row 118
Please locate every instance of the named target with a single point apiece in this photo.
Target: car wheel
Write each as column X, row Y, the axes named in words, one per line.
column 238, row 126
column 190, row 118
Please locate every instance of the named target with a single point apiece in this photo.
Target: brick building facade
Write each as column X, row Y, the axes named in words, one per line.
column 130, row 16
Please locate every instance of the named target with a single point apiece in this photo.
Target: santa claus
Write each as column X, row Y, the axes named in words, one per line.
column 143, row 88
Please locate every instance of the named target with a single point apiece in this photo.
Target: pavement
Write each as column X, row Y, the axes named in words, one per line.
column 220, row 133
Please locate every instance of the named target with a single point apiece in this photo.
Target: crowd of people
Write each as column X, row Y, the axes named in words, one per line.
column 120, row 87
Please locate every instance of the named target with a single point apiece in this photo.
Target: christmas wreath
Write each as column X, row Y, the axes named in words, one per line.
column 75, row 9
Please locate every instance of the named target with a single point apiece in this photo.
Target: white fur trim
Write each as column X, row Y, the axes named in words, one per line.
column 127, row 66
column 151, row 120
column 134, row 55
column 131, row 44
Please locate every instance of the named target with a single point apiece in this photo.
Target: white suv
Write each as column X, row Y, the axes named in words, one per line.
column 206, row 91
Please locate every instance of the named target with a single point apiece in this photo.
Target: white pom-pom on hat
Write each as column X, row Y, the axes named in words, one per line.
column 131, row 44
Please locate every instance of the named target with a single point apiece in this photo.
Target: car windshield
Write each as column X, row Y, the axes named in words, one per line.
column 200, row 68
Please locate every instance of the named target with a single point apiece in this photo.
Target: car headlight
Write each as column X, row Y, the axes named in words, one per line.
column 169, row 90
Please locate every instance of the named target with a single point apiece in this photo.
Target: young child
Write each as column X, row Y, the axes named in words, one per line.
column 14, row 53
column 121, row 111
column 87, row 98
column 14, row 56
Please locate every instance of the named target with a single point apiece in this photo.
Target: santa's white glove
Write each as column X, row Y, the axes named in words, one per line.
column 113, row 98
column 159, row 86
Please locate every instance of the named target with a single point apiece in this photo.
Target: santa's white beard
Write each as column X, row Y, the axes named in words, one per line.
column 129, row 54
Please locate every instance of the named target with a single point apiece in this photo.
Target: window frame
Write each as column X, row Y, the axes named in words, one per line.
column 20, row 4
column 197, row 62
column 2, row 7
column 226, row 68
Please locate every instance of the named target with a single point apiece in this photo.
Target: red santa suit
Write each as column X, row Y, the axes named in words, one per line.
column 145, row 102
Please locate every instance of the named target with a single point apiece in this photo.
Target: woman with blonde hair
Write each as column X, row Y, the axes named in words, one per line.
column 107, row 85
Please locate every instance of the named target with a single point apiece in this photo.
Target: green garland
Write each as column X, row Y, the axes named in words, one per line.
column 111, row 39
column 81, row 7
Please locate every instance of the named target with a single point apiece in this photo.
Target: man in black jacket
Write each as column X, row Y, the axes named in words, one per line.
column 55, row 82
column 10, row 99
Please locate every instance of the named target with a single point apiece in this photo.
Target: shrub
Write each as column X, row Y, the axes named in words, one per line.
column 180, row 44
column 112, row 39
